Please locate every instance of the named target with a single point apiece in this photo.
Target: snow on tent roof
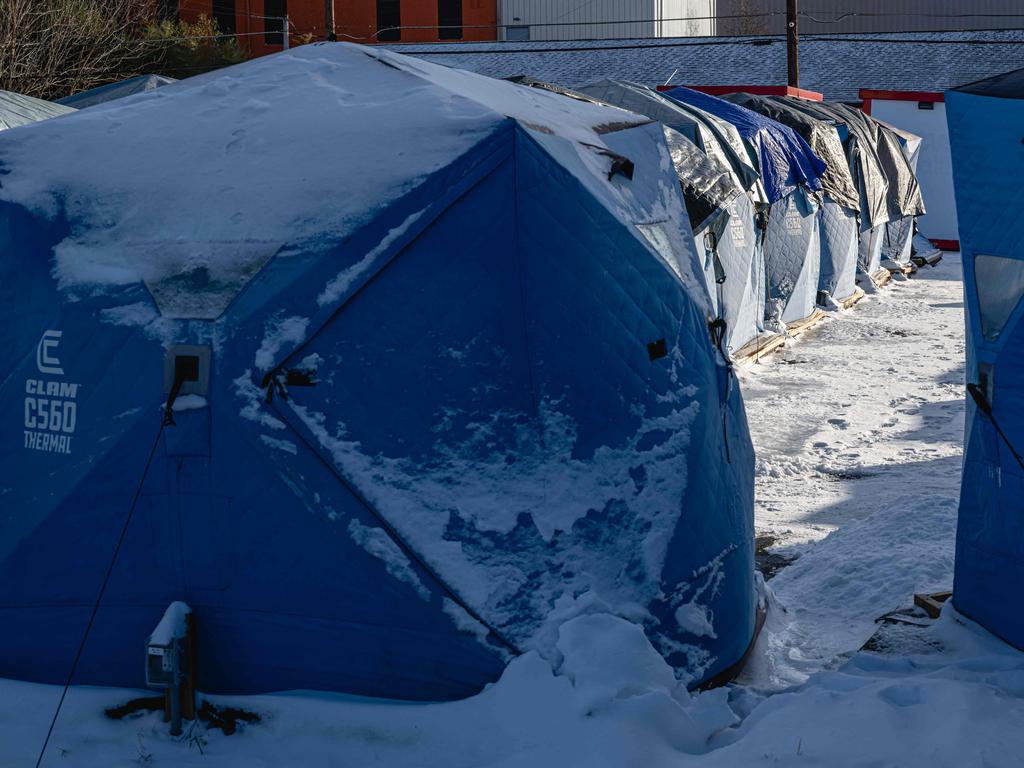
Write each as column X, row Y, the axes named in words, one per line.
column 114, row 91
column 822, row 137
column 243, row 123
column 786, row 162
column 1009, row 85
column 16, row 109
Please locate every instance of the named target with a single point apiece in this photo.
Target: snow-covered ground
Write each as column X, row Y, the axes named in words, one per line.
column 858, row 427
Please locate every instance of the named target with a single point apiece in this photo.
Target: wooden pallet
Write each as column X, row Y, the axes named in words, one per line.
column 758, row 347
column 852, row 299
column 802, row 326
column 932, row 604
column 902, row 269
column 881, row 277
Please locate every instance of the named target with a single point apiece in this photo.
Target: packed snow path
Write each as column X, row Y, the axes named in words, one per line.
column 858, row 428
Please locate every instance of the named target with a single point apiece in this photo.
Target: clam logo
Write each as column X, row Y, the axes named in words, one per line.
column 46, row 359
column 51, row 407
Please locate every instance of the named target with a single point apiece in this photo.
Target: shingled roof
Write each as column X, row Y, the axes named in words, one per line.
column 837, row 65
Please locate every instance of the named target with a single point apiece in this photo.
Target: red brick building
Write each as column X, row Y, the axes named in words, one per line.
column 259, row 28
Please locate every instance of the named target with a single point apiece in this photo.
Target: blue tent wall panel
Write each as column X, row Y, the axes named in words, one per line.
column 838, row 225
column 988, row 164
column 869, row 249
column 792, row 258
column 898, row 237
column 742, row 257
column 717, row 518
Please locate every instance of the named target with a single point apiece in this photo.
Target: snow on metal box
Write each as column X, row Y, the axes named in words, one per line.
column 433, row 427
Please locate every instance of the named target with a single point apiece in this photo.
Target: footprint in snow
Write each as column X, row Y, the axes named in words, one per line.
column 839, row 423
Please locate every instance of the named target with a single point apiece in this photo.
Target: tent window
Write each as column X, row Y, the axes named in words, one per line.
column 1000, row 287
column 449, row 19
column 273, row 24
column 389, row 21
column 926, row 105
column 224, row 15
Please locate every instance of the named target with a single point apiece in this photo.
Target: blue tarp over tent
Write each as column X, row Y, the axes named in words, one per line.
column 784, row 158
column 985, row 122
column 441, row 392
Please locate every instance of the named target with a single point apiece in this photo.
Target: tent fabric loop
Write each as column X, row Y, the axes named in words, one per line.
column 985, row 407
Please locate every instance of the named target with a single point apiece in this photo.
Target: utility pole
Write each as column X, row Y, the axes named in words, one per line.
column 792, row 44
column 329, row 20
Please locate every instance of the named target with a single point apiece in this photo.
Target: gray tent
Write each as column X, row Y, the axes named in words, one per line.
column 16, row 110
column 861, row 140
column 899, row 233
column 840, row 207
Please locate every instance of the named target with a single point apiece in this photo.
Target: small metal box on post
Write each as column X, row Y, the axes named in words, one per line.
column 170, row 664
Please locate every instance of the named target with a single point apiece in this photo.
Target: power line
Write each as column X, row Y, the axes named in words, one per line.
column 100, row 594
column 755, row 41
column 890, row 14
column 596, row 23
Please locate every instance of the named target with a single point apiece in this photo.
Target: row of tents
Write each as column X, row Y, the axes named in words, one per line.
column 793, row 201
column 387, row 369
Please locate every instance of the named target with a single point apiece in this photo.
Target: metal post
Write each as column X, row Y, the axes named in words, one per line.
column 286, row 29
column 792, row 44
column 329, row 20
column 175, row 692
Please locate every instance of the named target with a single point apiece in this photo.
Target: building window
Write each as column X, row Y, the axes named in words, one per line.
column 224, row 15
column 273, row 24
column 449, row 19
column 389, row 21
column 517, row 34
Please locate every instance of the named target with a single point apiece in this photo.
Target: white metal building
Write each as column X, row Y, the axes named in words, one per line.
column 524, row 20
column 924, row 113
column 830, row 17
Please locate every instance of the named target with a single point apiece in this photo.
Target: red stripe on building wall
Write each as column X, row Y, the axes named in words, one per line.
column 869, row 95
column 756, row 90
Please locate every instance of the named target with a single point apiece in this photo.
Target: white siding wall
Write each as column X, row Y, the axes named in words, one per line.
column 899, row 15
column 687, row 18
column 934, row 166
column 597, row 19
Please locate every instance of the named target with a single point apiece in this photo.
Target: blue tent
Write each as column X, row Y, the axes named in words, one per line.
column 733, row 258
column 443, row 379
column 113, row 91
column 792, row 181
column 985, row 122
